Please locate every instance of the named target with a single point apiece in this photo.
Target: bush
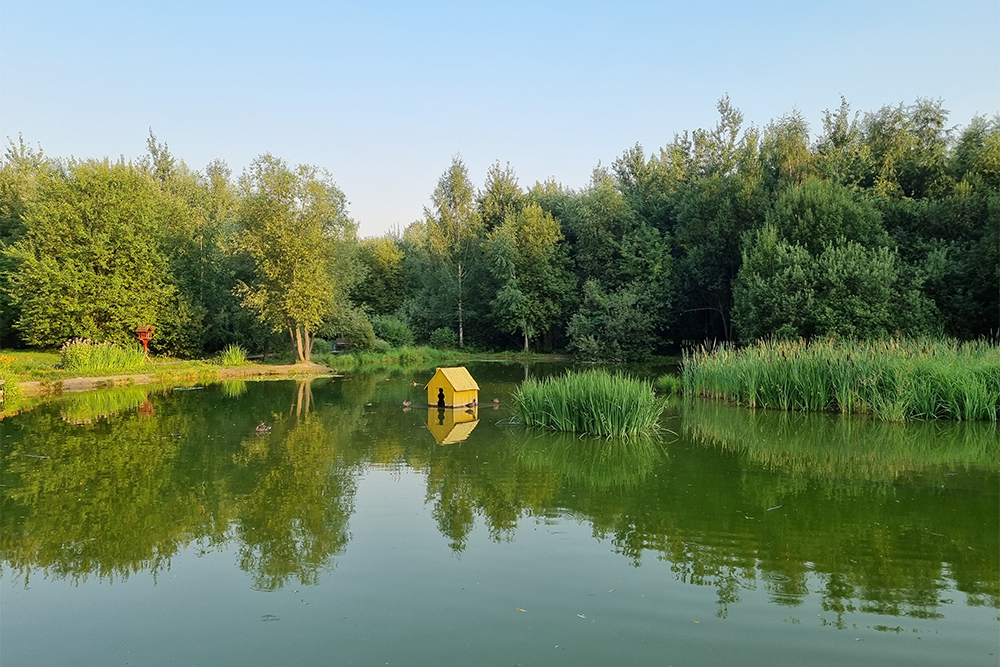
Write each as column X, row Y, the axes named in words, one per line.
column 593, row 402
column 321, row 346
column 353, row 325
column 80, row 354
column 392, row 329
column 382, row 346
column 444, row 339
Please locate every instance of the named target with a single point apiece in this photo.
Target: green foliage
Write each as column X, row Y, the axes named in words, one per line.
column 88, row 263
column 296, row 230
column 354, row 326
column 592, row 402
column 444, row 338
column 531, row 267
column 322, row 346
column 612, row 325
column 392, row 329
column 383, row 288
column 84, row 356
column 892, row 380
column 819, row 213
column 233, row 355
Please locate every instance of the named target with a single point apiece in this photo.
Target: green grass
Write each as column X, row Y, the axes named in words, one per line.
column 594, row 402
column 892, row 380
column 82, row 355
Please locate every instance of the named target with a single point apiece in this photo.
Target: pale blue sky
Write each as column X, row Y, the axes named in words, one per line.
column 383, row 94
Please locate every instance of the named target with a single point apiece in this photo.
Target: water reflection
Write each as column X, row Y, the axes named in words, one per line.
column 870, row 518
column 452, row 425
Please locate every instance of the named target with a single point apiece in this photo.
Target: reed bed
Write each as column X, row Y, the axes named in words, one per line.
column 593, row 402
column 892, row 380
column 84, row 356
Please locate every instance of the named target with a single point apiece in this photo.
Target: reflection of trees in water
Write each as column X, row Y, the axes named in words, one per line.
column 812, row 510
column 97, row 499
column 812, row 513
column 123, row 495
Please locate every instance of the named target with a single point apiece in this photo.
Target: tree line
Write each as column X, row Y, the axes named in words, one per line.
column 886, row 223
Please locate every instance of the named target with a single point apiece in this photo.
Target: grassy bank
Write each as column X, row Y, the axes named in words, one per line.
column 892, row 380
column 594, row 402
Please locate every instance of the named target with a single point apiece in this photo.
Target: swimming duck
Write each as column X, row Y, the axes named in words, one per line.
column 263, row 428
column 406, row 403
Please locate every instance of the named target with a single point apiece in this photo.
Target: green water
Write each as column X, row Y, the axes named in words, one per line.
column 159, row 528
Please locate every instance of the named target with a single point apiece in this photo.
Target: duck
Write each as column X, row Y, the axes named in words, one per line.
column 406, row 403
column 496, row 401
column 263, row 428
column 473, row 404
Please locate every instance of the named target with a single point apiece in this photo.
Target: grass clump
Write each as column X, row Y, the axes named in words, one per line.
column 594, row 402
column 233, row 355
column 893, row 380
column 84, row 356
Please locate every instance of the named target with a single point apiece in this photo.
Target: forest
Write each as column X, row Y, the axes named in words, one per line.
column 886, row 223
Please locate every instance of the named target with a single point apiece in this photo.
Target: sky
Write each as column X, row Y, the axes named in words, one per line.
column 384, row 94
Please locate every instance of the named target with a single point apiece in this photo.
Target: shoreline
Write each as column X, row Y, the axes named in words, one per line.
column 34, row 388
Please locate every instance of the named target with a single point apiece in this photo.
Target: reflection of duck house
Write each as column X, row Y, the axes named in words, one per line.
column 452, row 388
column 451, row 425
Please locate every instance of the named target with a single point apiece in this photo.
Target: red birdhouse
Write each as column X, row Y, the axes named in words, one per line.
column 145, row 334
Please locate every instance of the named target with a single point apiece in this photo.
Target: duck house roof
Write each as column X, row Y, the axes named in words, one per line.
column 458, row 377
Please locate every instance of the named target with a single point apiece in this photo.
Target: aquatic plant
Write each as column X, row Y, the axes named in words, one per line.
column 84, row 356
column 893, row 380
column 594, row 402
column 670, row 384
column 233, row 355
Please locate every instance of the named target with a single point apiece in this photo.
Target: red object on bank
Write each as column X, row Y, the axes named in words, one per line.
column 145, row 334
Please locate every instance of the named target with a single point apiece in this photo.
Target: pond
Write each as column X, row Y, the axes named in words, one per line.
column 161, row 528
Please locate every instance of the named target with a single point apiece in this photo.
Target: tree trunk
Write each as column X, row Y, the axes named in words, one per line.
column 525, row 342
column 299, row 349
column 461, row 328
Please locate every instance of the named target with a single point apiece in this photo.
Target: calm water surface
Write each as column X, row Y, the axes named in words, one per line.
column 159, row 528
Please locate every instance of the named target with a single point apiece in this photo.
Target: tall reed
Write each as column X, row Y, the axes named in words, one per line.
column 893, row 380
column 85, row 356
column 594, row 402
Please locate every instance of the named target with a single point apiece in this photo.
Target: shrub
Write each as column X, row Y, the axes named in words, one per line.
column 321, row 346
column 382, row 346
column 392, row 329
column 593, row 402
column 444, row 339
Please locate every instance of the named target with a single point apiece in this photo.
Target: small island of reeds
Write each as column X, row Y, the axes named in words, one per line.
column 892, row 380
column 593, row 402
